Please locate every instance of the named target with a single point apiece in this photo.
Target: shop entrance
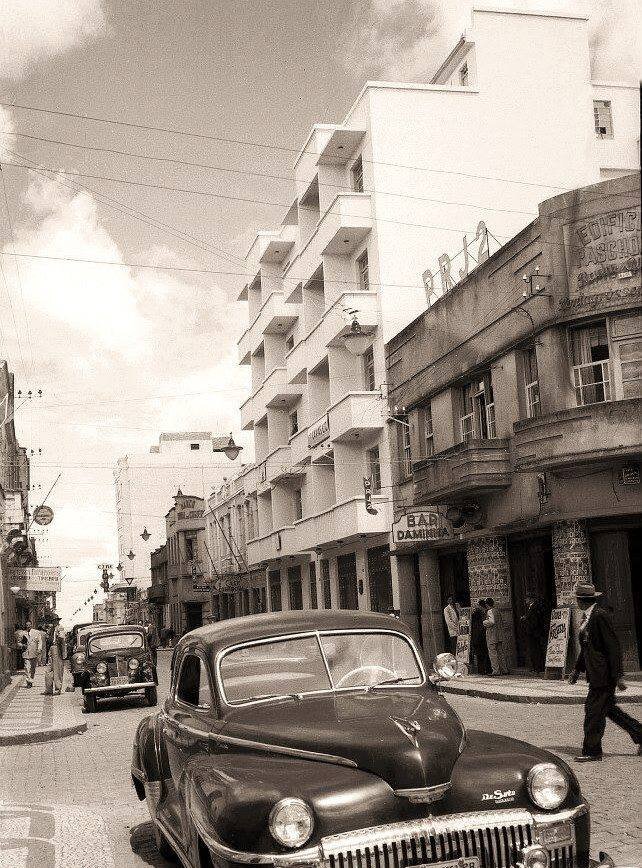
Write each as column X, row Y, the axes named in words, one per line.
column 453, row 582
column 616, row 558
column 193, row 616
column 348, row 591
column 380, row 579
column 532, row 573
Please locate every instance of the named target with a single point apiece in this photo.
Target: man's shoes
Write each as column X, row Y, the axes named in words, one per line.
column 588, row 758
column 639, row 750
column 27, row 685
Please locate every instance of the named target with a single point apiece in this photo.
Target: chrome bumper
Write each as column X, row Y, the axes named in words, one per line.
column 383, row 838
column 120, row 688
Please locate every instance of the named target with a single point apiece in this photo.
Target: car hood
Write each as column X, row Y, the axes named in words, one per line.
column 409, row 738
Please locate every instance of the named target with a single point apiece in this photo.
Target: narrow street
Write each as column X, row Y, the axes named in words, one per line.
column 70, row 804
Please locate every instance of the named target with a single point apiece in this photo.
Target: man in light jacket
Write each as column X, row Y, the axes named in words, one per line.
column 32, row 652
column 451, row 617
column 494, row 638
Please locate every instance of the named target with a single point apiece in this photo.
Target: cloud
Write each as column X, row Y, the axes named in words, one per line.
column 35, row 30
column 408, row 39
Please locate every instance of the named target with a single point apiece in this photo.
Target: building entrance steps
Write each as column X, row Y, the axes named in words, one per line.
column 522, row 688
column 26, row 716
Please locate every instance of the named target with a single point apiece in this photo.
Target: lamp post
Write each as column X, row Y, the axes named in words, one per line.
column 356, row 341
column 230, row 450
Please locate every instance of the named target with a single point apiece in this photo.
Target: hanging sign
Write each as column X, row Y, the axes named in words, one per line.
column 46, row 579
column 417, row 526
column 558, row 636
column 462, row 653
column 319, row 432
column 43, row 515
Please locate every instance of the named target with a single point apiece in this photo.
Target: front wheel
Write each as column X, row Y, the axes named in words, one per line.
column 163, row 846
column 151, row 695
column 90, row 703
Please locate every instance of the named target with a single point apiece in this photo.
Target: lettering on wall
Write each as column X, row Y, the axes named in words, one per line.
column 600, row 248
column 444, row 273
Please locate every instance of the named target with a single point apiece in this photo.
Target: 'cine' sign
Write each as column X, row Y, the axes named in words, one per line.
column 416, row 527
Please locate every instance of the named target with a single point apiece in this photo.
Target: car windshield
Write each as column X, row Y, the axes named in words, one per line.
column 319, row 662
column 115, row 642
column 81, row 635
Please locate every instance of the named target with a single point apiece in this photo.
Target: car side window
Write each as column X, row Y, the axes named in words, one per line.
column 193, row 682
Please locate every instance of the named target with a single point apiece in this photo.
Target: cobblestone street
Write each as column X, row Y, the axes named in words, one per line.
column 70, row 804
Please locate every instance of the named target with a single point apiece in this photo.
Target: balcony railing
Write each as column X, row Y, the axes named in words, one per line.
column 467, row 469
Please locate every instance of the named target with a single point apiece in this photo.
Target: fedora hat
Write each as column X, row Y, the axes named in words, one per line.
column 586, row 590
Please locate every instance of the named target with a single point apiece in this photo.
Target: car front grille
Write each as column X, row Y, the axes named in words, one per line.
column 117, row 666
column 496, row 838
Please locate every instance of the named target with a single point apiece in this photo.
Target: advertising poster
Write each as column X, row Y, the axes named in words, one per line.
column 463, row 640
column 558, row 636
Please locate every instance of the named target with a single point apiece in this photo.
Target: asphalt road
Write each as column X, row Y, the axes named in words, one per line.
column 70, row 804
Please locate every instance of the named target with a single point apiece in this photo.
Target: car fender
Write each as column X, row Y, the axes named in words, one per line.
column 230, row 796
column 146, row 764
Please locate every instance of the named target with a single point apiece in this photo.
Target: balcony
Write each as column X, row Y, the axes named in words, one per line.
column 277, row 248
column 339, row 147
column 275, row 317
column 278, row 465
column 343, row 521
column 296, row 363
column 275, row 392
column 466, row 470
column 272, row 546
column 156, row 593
column 596, row 435
column 345, row 224
column 355, row 414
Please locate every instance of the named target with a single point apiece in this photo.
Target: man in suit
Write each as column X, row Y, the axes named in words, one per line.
column 601, row 658
column 494, row 638
column 32, row 652
column 535, row 632
column 451, row 617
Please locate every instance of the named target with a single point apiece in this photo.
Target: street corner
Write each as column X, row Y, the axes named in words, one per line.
column 45, row 836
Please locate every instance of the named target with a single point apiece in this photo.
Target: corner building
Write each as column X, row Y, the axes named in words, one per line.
column 383, row 201
column 526, row 424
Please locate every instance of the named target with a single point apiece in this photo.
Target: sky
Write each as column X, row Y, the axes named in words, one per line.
column 123, row 352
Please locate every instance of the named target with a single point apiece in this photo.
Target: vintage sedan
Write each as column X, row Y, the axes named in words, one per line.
column 77, row 655
column 117, row 662
column 318, row 738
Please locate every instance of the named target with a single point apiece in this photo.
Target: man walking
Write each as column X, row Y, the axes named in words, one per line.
column 32, row 652
column 451, row 617
column 57, row 655
column 152, row 640
column 601, row 658
column 478, row 638
column 494, row 638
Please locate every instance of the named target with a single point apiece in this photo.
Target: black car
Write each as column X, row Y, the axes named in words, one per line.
column 317, row 738
column 117, row 662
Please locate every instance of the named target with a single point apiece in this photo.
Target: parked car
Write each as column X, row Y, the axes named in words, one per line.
column 78, row 639
column 117, row 662
column 72, row 635
column 317, row 738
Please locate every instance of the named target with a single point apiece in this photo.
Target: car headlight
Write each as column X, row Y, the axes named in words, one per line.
column 547, row 785
column 101, row 668
column 291, row 822
column 133, row 663
column 445, row 665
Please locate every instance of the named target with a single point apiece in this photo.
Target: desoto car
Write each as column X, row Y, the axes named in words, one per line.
column 318, row 739
column 77, row 652
column 117, row 662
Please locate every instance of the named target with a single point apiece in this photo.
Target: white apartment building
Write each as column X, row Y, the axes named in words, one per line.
column 385, row 202
column 146, row 482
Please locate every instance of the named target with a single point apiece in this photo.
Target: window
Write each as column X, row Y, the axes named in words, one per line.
column 298, row 504
column 531, row 383
column 194, row 446
column 313, row 586
column 190, row 548
column 193, row 683
column 295, row 587
column 363, row 270
column 374, row 469
column 325, row 580
column 466, row 415
column 369, row 370
column 603, row 118
column 590, row 361
column 294, row 423
column 356, row 175
column 405, row 453
column 477, row 410
column 289, row 343
column 631, row 368
column 429, row 440
column 463, row 75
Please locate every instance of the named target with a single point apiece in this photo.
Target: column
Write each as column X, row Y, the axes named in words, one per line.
column 431, row 604
column 489, row 576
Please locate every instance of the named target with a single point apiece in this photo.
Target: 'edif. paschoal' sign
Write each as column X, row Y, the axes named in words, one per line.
column 416, row 527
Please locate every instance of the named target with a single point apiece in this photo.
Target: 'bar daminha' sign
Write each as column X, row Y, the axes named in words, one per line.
column 416, row 526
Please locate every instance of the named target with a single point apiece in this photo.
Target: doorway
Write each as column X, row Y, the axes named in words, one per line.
column 193, row 616
column 380, row 579
column 453, row 582
column 348, row 591
column 532, row 573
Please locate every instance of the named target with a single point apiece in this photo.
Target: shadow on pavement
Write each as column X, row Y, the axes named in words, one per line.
column 574, row 750
column 143, row 845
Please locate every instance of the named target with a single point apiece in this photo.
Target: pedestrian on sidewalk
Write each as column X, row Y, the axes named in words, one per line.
column 451, row 617
column 152, row 640
column 42, row 660
column 478, row 638
column 600, row 658
column 55, row 674
column 32, row 652
column 494, row 638
column 533, row 624
column 21, row 642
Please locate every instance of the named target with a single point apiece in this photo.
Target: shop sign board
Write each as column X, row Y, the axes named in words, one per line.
column 558, row 637
column 201, row 586
column 47, row 579
column 463, row 640
column 43, row 515
column 417, row 527
column 319, row 432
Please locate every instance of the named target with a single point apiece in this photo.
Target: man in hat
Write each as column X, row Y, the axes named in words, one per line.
column 601, row 658
column 57, row 654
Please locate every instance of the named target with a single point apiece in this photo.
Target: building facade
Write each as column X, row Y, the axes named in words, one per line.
column 522, row 387
column 144, row 481
column 373, row 235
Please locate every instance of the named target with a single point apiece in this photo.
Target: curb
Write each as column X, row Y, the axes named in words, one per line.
column 8, row 693
column 544, row 699
column 41, row 735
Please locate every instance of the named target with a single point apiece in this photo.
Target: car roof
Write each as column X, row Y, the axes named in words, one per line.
column 232, row 631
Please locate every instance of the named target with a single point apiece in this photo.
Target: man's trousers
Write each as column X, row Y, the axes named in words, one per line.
column 600, row 704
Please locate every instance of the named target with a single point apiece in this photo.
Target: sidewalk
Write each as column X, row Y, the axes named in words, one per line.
column 26, row 716
column 515, row 688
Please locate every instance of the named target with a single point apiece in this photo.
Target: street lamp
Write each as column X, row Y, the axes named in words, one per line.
column 356, row 341
column 145, row 535
column 230, row 450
